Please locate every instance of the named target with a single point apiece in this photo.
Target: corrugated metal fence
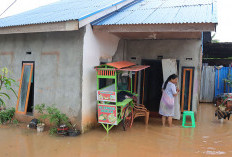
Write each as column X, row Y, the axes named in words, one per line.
column 212, row 82
column 207, row 84
column 220, row 75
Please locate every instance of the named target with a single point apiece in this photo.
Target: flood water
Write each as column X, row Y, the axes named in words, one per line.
column 210, row 138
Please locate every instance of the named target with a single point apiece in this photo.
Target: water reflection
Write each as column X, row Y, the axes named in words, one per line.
column 210, row 138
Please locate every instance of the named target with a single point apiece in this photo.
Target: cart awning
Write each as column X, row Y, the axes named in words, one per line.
column 135, row 68
column 121, row 64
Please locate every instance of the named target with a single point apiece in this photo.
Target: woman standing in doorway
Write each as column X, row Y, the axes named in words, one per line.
column 167, row 101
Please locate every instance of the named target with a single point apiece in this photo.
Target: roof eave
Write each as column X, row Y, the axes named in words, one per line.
column 175, row 27
column 44, row 27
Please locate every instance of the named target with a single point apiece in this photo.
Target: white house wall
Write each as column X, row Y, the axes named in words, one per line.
column 97, row 45
column 176, row 49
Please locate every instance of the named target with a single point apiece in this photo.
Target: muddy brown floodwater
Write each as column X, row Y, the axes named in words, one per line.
column 210, row 138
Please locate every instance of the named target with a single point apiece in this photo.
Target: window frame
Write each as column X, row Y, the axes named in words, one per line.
column 28, row 89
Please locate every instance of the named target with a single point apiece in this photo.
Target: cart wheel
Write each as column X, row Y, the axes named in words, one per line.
column 127, row 118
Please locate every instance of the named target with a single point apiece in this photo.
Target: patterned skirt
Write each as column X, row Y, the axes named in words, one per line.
column 166, row 105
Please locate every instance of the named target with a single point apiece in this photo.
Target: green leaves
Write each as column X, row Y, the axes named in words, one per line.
column 7, row 84
column 53, row 131
column 4, row 94
column 7, row 115
column 5, row 71
column 2, row 103
column 40, row 108
column 14, row 92
column 54, row 116
column 228, row 80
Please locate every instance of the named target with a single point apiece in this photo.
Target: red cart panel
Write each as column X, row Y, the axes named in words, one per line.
column 107, row 114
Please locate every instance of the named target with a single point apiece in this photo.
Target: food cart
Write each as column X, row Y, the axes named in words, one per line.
column 116, row 89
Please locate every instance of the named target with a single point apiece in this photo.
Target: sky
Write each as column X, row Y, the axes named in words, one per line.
column 223, row 30
column 224, row 11
column 21, row 6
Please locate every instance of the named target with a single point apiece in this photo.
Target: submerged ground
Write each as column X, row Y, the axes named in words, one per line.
column 210, row 138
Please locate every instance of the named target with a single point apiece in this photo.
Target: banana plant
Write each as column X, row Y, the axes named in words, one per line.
column 6, row 86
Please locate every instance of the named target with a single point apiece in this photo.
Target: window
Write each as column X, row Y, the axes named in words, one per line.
column 24, row 88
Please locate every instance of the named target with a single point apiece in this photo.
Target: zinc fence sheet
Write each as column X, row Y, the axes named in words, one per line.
column 207, row 84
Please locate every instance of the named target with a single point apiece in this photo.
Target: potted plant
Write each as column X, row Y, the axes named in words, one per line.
column 40, row 127
column 42, row 117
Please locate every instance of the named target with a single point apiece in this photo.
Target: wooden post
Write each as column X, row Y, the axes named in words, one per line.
column 143, row 86
column 135, row 83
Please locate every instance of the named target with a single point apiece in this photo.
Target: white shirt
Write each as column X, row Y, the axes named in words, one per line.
column 171, row 89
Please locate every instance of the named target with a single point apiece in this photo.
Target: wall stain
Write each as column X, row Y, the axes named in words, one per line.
column 11, row 54
column 57, row 54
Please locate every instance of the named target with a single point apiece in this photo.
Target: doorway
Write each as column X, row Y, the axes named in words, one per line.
column 153, row 85
column 187, row 88
column 25, row 102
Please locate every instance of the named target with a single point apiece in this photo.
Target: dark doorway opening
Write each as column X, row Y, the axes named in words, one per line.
column 187, row 88
column 153, row 85
column 30, row 107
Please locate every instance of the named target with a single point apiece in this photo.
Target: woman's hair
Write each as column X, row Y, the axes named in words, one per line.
column 171, row 77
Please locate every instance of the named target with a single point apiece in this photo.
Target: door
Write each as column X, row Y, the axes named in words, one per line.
column 153, row 84
column 169, row 68
column 24, row 88
column 187, row 88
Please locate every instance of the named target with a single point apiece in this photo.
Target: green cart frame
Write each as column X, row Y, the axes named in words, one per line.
column 110, row 111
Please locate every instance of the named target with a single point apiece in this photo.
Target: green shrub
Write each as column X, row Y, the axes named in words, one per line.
column 56, row 117
column 15, row 121
column 7, row 115
column 52, row 130
column 53, row 114
column 41, row 109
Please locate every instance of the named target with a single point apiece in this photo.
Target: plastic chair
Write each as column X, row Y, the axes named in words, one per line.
column 141, row 111
column 191, row 114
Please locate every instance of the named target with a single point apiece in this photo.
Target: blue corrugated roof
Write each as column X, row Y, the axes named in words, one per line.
column 163, row 12
column 63, row 10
